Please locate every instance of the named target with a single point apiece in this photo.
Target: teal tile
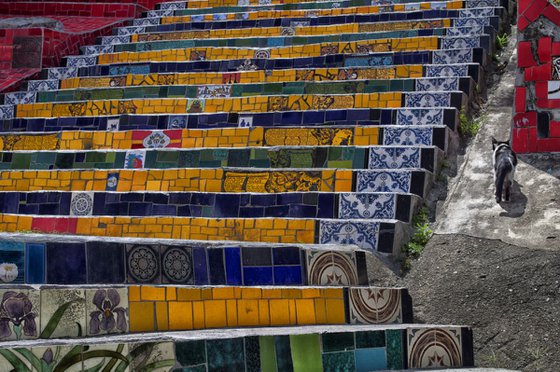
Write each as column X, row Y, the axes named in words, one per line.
column 370, row 339
column 372, row 359
column 337, row 341
column 225, row 355
column 395, row 353
column 339, row 362
column 190, row 353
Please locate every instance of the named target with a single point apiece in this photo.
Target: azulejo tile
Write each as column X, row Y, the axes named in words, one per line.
column 465, row 31
column 434, row 347
column 471, row 21
column 362, row 234
column 394, row 158
column 134, row 159
column 102, row 357
column 81, row 204
column 331, row 268
column 442, row 84
column 156, row 140
column 146, row 22
column 177, row 265
column 112, row 181
column 357, row 206
column 54, row 358
column 476, row 13
column 427, row 99
column 460, row 42
column 447, row 70
column 98, row 49
column 483, row 3
column 21, row 317
column 195, row 105
column 420, row 116
column 18, row 98
column 127, row 31
column 374, row 305
column 245, row 122
column 81, row 61
column 262, row 54
column 143, row 264
column 106, row 311
column 407, row 136
column 383, row 181
column 72, row 320
column 213, row 91
column 115, row 39
column 12, row 263
column 157, row 356
column 60, row 73
column 6, row 112
column 172, row 5
column 177, row 122
column 450, row 56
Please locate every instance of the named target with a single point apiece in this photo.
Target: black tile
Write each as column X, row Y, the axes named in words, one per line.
column 66, row 263
column 105, row 262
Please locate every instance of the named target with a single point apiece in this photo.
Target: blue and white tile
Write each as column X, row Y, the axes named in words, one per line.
column 174, row 5
column 42, row 85
column 394, row 158
column 383, row 181
column 440, row 5
column 437, row 84
column 363, row 234
column 476, row 13
column 177, row 122
column 407, row 136
column 6, row 112
column 554, row 89
column 81, row 61
column 427, row 99
column 368, row 61
column 61, row 73
column 127, row 31
column 18, row 98
column 455, row 70
column 471, row 21
column 367, row 205
column 420, row 116
column 444, row 57
column 482, row 4
column 146, row 22
column 97, row 49
column 465, row 31
column 161, row 13
column 409, row 7
column 115, row 39
column 129, row 69
column 460, row 42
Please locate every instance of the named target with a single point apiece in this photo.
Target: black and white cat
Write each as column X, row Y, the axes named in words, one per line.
column 504, row 161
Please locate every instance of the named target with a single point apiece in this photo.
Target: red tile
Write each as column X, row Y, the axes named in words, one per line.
column 554, row 129
column 43, row 224
column 553, row 14
column 532, row 140
column 519, row 140
column 525, row 54
column 525, row 119
column 544, row 50
column 522, row 23
column 548, row 145
column 541, row 89
column 520, row 97
column 535, row 9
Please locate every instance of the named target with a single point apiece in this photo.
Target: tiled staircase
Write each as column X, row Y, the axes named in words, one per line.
column 203, row 190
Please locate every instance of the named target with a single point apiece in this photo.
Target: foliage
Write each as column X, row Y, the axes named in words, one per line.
column 420, row 237
column 501, row 41
column 468, row 127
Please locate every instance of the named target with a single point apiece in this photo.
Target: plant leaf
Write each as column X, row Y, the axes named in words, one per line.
column 102, row 354
column 95, row 368
column 27, row 354
column 113, row 361
column 158, row 364
column 55, row 319
column 18, row 365
column 74, row 356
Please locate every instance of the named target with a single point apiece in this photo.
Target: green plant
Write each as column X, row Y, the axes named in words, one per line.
column 420, row 237
column 501, row 41
column 468, row 127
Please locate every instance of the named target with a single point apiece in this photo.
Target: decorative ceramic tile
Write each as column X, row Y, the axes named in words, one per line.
column 12, row 263
column 177, row 5
column 482, row 3
column 97, row 49
column 156, row 140
column 195, row 105
column 81, row 61
column 245, row 122
column 554, row 86
column 176, row 265
column 427, row 99
column 362, row 234
column 112, row 182
column 20, row 309
column 471, row 21
column 81, row 204
column 442, row 5
column 465, row 31
column 19, row 98
column 443, row 84
column 262, row 54
column 411, row 7
column 55, row 358
column 146, row 22
column 213, row 91
column 331, row 268
column 42, row 85
column 106, row 311
column 288, row 31
column 197, row 18
column 115, row 39
column 407, row 136
column 160, row 13
column 300, row 24
column 219, row 17
column 461, row 42
column 434, row 347
column 72, row 321
column 265, row 2
column 127, row 31
column 444, row 57
column 243, row 2
column 446, row 70
column 143, row 264
column 61, row 73
column 377, row 206
column 177, row 122
column 476, row 13
column 134, row 159
column 374, row 305
column 105, row 357
column 113, row 124
column 158, row 356
column 247, row 65
column 379, row 181
column 420, row 116
column 6, row 112
column 394, row 158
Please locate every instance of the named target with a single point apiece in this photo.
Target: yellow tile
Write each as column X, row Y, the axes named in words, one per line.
column 264, row 313
column 292, row 309
column 231, row 308
column 305, row 310
column 206, row 294
column 248, row 312
column 335, row 311
column 198, row 315
column 320, row 311
column 220, row 293
column 250, row 292
column 150, row 293
column 215, row 313
column 141, row 316
column 271, row 293
column 181, row 315
column 171, row 293
column 279, row 312
column 184, row 294
column 162, row 316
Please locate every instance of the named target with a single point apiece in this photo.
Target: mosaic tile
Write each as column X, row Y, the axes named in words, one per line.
column 105, row 357
column 331, row 268
column 483, row 4
column 143, row 264
column 371, row 359
column 12, row 263
column 81, row 61
column 471, row 22
column 42, row 85
column 105, row 263
column 450, row 56
column 213, row 91
column 465, row 31
column 427, row 99
column 407, row 136
column 81, row 204
column 374, row 305
column 172, row 5
column 98, row 49
column 60, row 73
column 430, row 348
column 153, row 356
column 106, row 311
column 177, row 265
column 447, row 70
column 225, row 354
column 460, row 42
column 394, row 158
column 420, row 116
column 6, row 112
column 358, row 206
column 191, row 353
column 135, row 159
column 145, row 22
column 339, row 361
column 127, row 31
column 476, row 13
column 19, row 98
column 437, row 84
column 73, row 319
column 381, row 181
column 66, row 263
column 21, row 314
column 362, row 234
column 54, row 357
column 115, row 39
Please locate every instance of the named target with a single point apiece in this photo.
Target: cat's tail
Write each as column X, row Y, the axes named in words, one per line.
column 503, row 169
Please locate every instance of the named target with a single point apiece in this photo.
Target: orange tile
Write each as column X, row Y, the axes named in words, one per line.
column 216, row 316
column 264, row 313
column 150, row 293
column 184, row 294
column 162, row 316
column 279, row 312
column 335, row 311
column 231, row 308
column 320, row 311
column 134, row 293
column 180, row 315
column 220, row 293
column 141, row 316
column 305, row 310
column 248, row 312
column 198, row 315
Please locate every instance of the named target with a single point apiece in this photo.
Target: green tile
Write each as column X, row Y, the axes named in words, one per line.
column 339, row 362
column 268, row 354
column 225, row 355
column 190, row 353
column 394, row 341
column 306, row 353
column 338, row 341
column 370, row 339
column 21, row 161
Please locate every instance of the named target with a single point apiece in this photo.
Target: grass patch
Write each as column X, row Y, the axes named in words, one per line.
column 501, row 41
column 468, row 127
column 420, row 237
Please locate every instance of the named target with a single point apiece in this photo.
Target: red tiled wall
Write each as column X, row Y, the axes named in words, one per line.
column 33, row 8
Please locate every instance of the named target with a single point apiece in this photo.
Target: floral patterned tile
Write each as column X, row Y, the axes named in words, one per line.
column 58, row 358
column 106, row 311
column 71, row 321
column 152, row 356
column 106, row 357
column 19, row 314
